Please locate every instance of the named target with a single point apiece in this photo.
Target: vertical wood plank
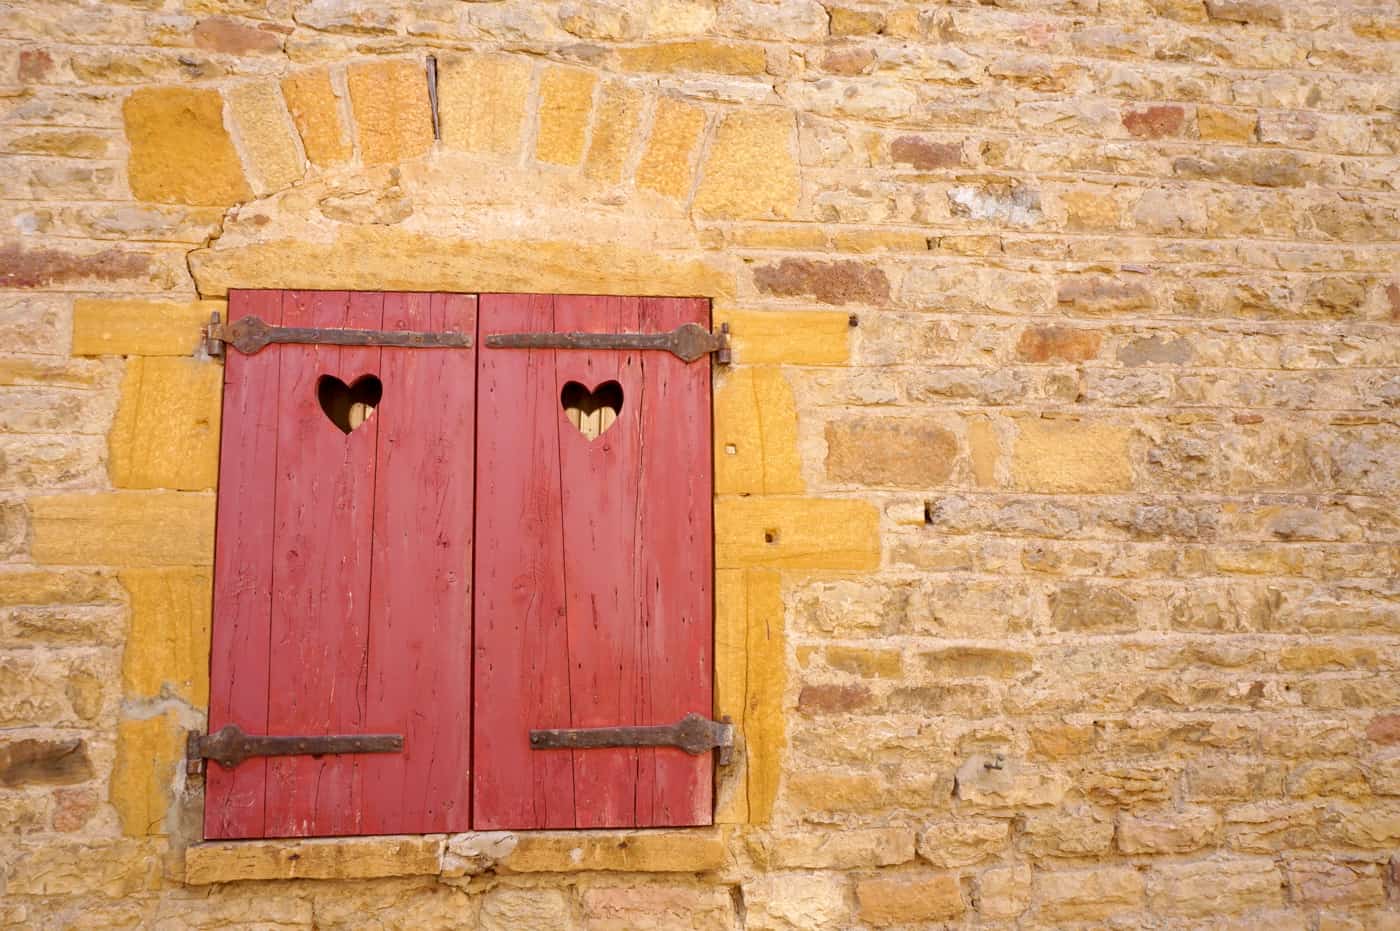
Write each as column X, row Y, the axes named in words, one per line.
column 243, row 570
column 599, row 501
column 419, row 657
column 521, row 661
column 320, row 613
column 675, row 521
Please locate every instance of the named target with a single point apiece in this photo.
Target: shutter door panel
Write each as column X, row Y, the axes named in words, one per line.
column 623, row 524
column 346, row 634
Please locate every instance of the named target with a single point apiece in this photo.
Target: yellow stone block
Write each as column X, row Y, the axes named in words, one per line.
column 1091, row 210
column 614, row 130
column 751, row 169
column 145, row 328
column 123, row 528
column 167, row 645
column 731, row 680
column 56, row 587
column 180, row 151
column 866, row 241
column 166, row 432
column 709, row 55
column 1219, row 125
column 764, row 725
column 481, row 102
column 689, row 851
column 796, row 533
column 116, row 868
column 985, row 450
column 1070, row 456
column 669, row 157
column 566, row 103
column 316, row 110
column 761, row 337
column 321, row 858
column 68, row 143
column 143, row 778
column 387, row 258
column 750, row 679
column 389, row 100
column 756, row 434
column 775, row 236
column 265, row 132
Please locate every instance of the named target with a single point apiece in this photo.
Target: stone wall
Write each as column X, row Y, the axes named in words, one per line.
column 1057, row 474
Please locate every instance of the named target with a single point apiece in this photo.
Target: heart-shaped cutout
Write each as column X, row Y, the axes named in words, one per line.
column 349, row 406
column 593, row 412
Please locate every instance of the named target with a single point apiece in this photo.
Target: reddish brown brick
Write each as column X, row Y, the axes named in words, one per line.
column 1057, row 344
column 1154, row 122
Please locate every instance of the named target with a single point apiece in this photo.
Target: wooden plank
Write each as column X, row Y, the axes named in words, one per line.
column 320, row 613
column 238, row 656
column 419, row 681
column 521, row 669
column 632, row 549
column 599, row 502
column 675, row 597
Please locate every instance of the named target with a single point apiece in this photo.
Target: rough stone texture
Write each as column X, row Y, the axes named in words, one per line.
column 797, row 902
column 899, row 901
column 364, row 858
column 794, row 338
column 664, row 851
column 841, row 850
column 614, row 132
column 566, row 104
column 796, row 533
column 143, row 775
column 482, row 102
column 888, row 451
column 756, row 444
column 392, row 115
column 265, row 128
column 1068, row 456
column 750, row 171
column 317, row 112
column 1121, row 654
column 750, row 680
column 669, row 156
column 167, row 645
column 123, row 529
column 841, row 282
column 180, row 149
column 369, row 258
column 166, row 432
column 145, row 328
column 43, row 762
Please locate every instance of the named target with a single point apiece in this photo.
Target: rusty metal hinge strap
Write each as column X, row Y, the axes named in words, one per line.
column 687, row 342
column 229, row 745
column 250, row 334
column 692, row 733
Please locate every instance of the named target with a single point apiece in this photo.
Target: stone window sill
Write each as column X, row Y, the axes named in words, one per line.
column 691, row 850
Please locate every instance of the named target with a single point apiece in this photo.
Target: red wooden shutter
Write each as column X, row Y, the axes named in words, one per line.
column 342, row 573
column 593, row 601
